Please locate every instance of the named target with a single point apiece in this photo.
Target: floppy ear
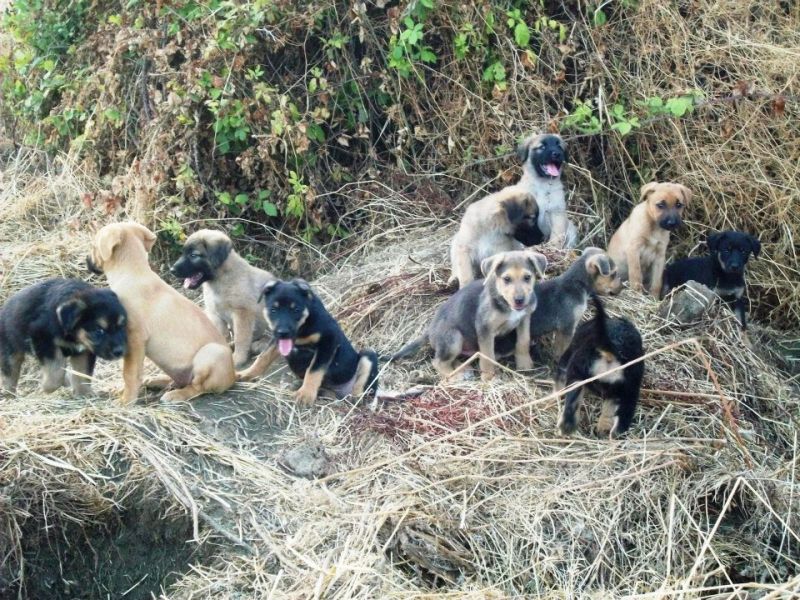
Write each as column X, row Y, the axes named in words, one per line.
column 107, row 239
column 218, row 251
column 490, row 265
column 304, row 287
column 712, row 241
column 686, row 193
column 599, row 264
column 69, row 313
column 268, row 287
column 647, row 189
column 148, row 237
column 756, row 244
column 591, row 251
column 538, row 263
column 523, row 149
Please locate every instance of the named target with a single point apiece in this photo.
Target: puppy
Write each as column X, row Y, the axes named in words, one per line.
column 56, row 319
column 162, row 324
column 600, row 345
column 543, row 157
column 722, row 271
column 639, row 246
column 487, row 228
column 314, row 345
column 470, row 320
column 231, row 287
column 561, row 301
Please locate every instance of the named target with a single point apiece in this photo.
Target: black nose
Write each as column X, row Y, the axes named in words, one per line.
column 283, row 334
column 118, row 351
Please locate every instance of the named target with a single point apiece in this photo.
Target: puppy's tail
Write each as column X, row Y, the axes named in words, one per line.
column 371, row 358
column 601, row 322
column 411, row 348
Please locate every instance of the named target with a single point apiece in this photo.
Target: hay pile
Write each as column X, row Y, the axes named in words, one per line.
column 466, row 490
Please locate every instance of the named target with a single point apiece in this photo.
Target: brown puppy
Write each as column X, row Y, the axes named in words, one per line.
column 231, row 287
column 487, row 228
column 639, row 246
column 162, row 324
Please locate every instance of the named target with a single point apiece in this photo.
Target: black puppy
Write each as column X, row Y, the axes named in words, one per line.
column 313, row 344
column 722, row 271
column 599, row 345
column 60, row 318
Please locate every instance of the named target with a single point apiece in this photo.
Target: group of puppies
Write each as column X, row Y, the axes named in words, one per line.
column 503, row 306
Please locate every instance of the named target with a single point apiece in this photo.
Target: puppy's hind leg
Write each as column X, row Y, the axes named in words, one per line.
column 463, row 270
column 243, row 324
column 446, row 349
column 53, row 372
column 366, row 374
column 212, row 372
column 10, row 367
column 81, row 378
column 567, row 422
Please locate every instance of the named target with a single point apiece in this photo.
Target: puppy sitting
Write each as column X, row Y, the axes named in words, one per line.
column 639, row 246
column 314, row 345
column 56, row 319
column 543, row 157
column 722, row 271
column 231, row 287
column 163, row 325
column 470, row 320
column 561, row 301
column 600, row 345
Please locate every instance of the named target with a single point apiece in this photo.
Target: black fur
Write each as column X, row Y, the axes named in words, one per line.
column 199, row 262
column 721, row 271
column 618, row 337
column 60, row 317
column 286, row 303
column 527, row 231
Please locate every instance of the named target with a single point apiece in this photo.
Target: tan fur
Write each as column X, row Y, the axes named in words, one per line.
column 231, row 299
column 485, row 231
column 260, row 364
column 307, row 393
column 163, row 325
column 362, row 375
column 639, row 246
column 607, row 422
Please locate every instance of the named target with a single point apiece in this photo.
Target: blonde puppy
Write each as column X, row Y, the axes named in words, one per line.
column 639, row 246
column 163, row 325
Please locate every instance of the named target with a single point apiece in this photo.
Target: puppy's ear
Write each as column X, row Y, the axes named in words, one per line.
column 538, row 263
column 686, row 193
column 218, row 251
column 69, row 313
column 107, row 240
column 304, row 287
column 523, row 149
column 712, row 241
column 756, row 244
column 143, row 233
column 599, row 264
column 268, row 287
column 647, row 189
column 591, row 251
column 489, row 265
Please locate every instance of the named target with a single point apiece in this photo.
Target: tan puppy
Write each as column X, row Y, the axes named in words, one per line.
column 639, row 246
column 487, row 228
column 162, row 324
column 231, row 287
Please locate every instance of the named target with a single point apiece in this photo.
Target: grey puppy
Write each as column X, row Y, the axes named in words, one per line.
column 470, row 320
column 561, row 301
column 231, row 287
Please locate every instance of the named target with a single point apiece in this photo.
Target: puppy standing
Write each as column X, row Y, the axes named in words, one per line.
column 163, row 325
column 56, row 319
column 722, row 271
column 231, row 287
column 639, row 246
column 470, row 320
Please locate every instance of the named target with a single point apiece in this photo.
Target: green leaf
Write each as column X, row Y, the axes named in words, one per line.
column 522, row 35
column 427, row 55
column 115, row 20
column 269, row 208
column 624, row 127
column 599, row 18
column 678, row 106
column 241, row 199
column 224, row 198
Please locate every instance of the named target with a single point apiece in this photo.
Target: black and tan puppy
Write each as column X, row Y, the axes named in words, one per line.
column 315, row 347
column 599, row 345
column 163, row 325
column 474, row 316
column 231, row 287
column 59, row 319
column 561, row 301
column 639, row 246
column 721, row 271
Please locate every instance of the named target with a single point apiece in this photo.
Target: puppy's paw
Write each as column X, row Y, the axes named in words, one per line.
column 524, row 363
column 487, row 375
column 636, row 286
column 304, row 397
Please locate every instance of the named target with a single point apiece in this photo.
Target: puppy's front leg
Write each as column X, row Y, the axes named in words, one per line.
column 634, row 267
column 260, row 365
column 243, row 322
column 132, row 367
column 657, row 276
column 486, row 346
column 83, row 367
column 522, row 353
column 740, row 310
column 558, row 227
column 307, row 394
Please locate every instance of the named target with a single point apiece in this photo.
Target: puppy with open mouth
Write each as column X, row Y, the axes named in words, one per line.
column 231, row 287
column 56, row 320
column 314, row 346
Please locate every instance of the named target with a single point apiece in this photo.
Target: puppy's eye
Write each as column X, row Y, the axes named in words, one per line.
column 273, row 310
column 679, row 205
column 194, row 255
column 99, row 331
column 661, row 204
column 527, row 278
column 506, row 279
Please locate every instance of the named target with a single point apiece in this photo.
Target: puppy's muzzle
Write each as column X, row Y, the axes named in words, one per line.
column 670, row 223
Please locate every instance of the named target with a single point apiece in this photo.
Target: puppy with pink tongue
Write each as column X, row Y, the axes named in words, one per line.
column 314, row 346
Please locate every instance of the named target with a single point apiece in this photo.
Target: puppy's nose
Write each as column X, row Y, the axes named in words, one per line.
column 173, row 269
column 283, row 334
column 118, row 351
column 519, row 301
